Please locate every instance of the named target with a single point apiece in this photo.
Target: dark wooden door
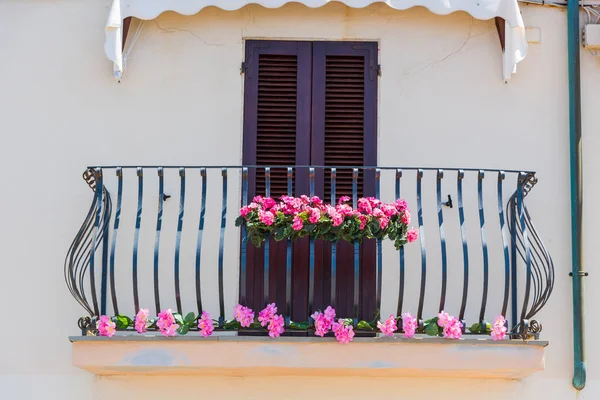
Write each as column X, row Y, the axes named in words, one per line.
column 310, row 103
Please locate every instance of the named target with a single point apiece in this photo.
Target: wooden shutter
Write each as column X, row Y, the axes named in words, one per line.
column 344, row 111
column 277, row 106
column 344, row 133
column 277, row 132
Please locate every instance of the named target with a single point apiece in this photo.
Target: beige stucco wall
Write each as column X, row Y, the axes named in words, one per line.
column 442, row 102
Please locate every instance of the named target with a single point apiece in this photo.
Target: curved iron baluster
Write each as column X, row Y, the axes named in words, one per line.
column 379, row 249
column 136, row 239
column 401, row 258
column 113, row 290
column 221, row 248
column 85, row 243
column 199, row 239
column 538, row 262
column 465, row 249
column 161, row 200
column 178, row 239
column 501, row 177
column 440, row 176
column 423, row 249
column 484, row 247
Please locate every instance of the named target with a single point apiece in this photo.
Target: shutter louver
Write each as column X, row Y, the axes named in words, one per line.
column 276, row 119
column 344, row 119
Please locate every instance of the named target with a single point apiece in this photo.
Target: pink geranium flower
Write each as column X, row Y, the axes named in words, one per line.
column 388, row 327
column 266, row 217
column 141, row 320
column 363, row 221
column 297, row 223
column 409, row 325
column 166, row 323
column 314, row 215
column 268, row 203
column 412, row 235
column 323, row 321
column 276, row 326
column 401, row 205
column 244, row 211
column 343, row 333
column 365, row 206
column 452, row 326
column 243, row 315
column 388, row 209
column 106, row 327
column 499, row 328
column 205, row 324
column 265, row 316
column 343, row 199
column 405, row 217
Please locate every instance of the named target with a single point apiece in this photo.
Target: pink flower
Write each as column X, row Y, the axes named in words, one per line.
column 454, row 329
column 141, row 320
column 244, row 211
column 388, row 327
column 265, row 316
column 305, row 199
column 412, row 235
column 343, row 199
column 406, row 217
column 452, row 326
column 257, row 199
column 253, row 206
column 443, row 318
column 363, row 221
column 316, row 201
column 345, row 210
column 323, row 321
column 315, row 215
column 388, row 209
column 365, row 206
column 266, row 217
column 106, row 327
column 243, row 315
column 401, row 205
column 205, row 324
column 499, row 328
column 166, row 323
column 276, row 326
column 297, row 224
column 343, row 333
column 409, row 325
column 383, row 222
column 268, row 202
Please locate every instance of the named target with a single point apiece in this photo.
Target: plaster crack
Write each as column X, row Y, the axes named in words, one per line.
column 171, row 30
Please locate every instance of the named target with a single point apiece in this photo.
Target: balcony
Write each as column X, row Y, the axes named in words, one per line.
column 164, row 237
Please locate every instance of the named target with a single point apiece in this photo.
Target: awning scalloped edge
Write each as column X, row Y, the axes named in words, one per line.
column 515, row 40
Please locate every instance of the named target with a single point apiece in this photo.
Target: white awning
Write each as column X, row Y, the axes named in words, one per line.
column 515, row 46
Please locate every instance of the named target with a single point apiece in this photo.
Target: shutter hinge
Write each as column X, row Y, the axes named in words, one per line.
column 243, row 68
column 378, row 69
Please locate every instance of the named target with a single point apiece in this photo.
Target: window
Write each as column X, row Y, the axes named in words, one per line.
column 311, row 103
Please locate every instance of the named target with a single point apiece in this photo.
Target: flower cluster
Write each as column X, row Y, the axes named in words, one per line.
column 344, row 332
column 498, row 328
column 409, row 325
column 166, row 323
column 141, row 320
column 243, row 315
column 106, row 327
column 295, row 217
column 323, row 321
column 205, row 324
column 268, row 317
column 389, row 326
column 452, row 327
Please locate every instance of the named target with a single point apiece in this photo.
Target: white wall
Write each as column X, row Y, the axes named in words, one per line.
column 442, row 103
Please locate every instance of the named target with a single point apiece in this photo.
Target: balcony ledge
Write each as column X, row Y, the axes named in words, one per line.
column 306, row 356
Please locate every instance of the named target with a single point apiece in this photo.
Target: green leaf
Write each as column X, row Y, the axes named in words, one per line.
column 432, row 329
column 178, row 318
column 475, row 328
column 298, row 325
column 183, row 329
column 189, row 318
column 239, row 221
column 231, row 325
column 123, row 321
column 364, row 325
column 488, row 327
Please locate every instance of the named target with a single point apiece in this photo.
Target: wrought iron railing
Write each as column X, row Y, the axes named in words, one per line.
column 481, row 257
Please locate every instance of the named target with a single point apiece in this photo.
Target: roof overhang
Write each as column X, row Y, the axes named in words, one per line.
column 506, row 12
